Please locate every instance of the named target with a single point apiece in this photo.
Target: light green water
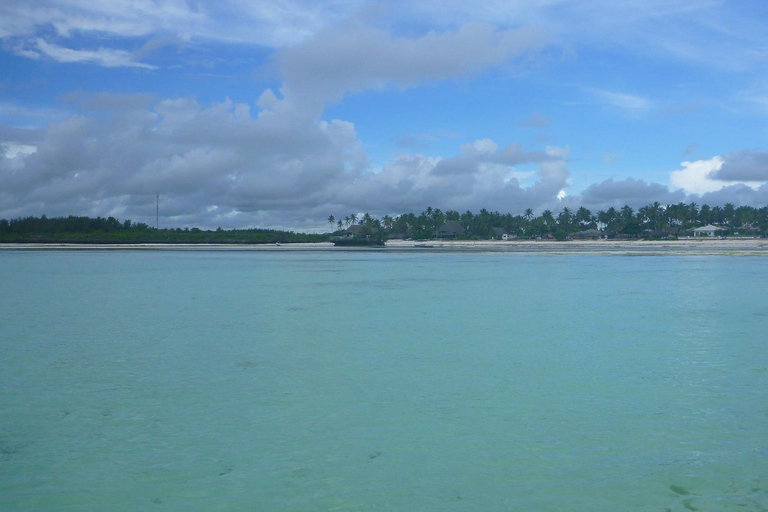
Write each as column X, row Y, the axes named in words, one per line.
column 372, row 381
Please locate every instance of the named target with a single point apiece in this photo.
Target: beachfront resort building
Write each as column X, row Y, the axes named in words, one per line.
column 708, row 230
column 501, row 234
column 451, row 229
column 588, row 234
column 354, row 231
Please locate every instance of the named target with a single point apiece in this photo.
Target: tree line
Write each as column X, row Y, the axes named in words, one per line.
column 654, row 220
column 74, row 229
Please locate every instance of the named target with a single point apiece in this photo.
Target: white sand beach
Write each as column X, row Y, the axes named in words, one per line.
column 735, row 246
column 688, row 246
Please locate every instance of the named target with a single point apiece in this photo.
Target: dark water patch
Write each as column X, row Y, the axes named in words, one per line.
column 6, row 449
column 225, row 471
column 250, row 363
column 682, row 491
column 374, row 455
column 300, row 473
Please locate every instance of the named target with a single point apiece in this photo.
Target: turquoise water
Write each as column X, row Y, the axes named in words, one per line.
column 373, row 381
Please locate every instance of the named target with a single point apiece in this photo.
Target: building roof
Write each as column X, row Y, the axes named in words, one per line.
column 707, row 228
column 588, row 233
column 452, row 227
column 354, row 229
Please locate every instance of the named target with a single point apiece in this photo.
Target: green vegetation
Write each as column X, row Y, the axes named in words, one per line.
column 111, row 231
column 652, row 221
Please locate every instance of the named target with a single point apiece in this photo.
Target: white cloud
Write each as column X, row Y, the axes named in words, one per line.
column 482, row 146
column 473, row 180
column 705, row 176
column 220, row 165
column 243, row 21
column 14, row 150
column 103, row 56
column 624, row 101
column 694, row 177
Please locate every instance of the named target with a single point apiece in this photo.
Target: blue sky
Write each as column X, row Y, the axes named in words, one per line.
column 278, row 114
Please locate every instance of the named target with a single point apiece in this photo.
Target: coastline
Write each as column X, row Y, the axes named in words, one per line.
column 691, row 245
column 688, row 246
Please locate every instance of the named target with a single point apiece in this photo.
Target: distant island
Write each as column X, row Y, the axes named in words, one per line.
column 99, row 230
column 654, row 221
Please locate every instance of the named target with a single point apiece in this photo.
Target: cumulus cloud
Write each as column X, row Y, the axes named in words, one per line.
column 738, row 194
column 695, row 177
column 706, row 176
column 630, row 192
column 16, row 141
column 13, row 134
column 222, row 165
column 195, row 157
column 485, row 152
column 745, row 166
column 487, row 177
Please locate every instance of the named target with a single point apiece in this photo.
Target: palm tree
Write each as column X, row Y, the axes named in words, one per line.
column 729, row 211
column 438, row 218
column 584, row 217
column 548, row 218
column 340, row 225
column 353, row 218
column 564, row 219
column 331, row 221
column 693, row 209
column 602, row 219
column 612, row 219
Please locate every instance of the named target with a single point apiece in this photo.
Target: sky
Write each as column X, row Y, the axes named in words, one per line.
column 247, row 113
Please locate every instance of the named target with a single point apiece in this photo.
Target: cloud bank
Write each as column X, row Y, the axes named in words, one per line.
column 224, row 165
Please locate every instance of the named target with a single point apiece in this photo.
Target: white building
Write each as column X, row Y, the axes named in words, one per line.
column 708, row 230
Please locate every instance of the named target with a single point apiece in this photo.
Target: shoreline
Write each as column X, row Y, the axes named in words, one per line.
column 689, row 246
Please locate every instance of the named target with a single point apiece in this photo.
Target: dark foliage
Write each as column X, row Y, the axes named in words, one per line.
column 111, row 231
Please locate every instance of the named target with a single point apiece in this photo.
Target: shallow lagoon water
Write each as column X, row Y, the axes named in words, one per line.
column 372, row 381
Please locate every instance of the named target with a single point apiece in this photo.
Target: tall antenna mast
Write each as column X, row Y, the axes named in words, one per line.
column 157, row 212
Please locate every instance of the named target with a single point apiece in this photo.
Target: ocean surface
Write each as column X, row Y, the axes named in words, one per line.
column 377, row 381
